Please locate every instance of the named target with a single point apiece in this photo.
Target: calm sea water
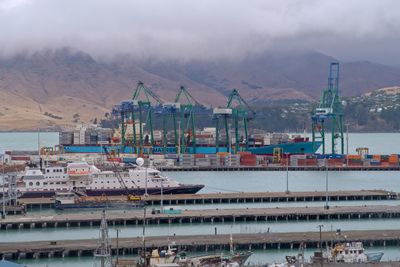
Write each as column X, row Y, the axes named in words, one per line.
column 386, row 143
column 27, row 140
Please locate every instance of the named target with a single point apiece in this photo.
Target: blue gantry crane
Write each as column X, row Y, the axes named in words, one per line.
column 329, row 113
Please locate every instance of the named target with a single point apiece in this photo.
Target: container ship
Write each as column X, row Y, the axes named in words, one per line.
column 85, row 179
column 93, row 139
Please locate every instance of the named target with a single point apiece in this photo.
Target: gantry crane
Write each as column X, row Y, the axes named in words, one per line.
column 188, row 108
column 144, row 109
column 127, row 193
column 123, row 111
column 241, row 112
column 330, row 110
column 182, row 110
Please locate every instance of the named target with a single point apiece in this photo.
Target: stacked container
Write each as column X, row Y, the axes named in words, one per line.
column 294, row 159
column 186, row 160
column 235, row 160
column 201, row 160
column 394, row 160
column 90, row 137
column 66, row 138
column 354, row 160
column 104, row 136
column 214, row 159
column 248, row 159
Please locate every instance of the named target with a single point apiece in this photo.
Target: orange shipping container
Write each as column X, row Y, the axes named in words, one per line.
column 393, row 158
column 353, row 156
column 377, row 157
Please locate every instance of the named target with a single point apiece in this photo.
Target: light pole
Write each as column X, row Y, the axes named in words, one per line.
column 117, row 256
column 347, row 144
column 144, row 236
column 161, row 202
column 179, row 139
column 287, row 174
column 326, row 185
column 3, row 214
column 320, row 236
column 145, row 183
column 230, row 146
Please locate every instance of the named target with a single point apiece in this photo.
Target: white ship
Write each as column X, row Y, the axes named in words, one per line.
column 89, row 180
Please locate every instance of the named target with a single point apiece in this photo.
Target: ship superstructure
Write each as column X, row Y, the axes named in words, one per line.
column 87, row 179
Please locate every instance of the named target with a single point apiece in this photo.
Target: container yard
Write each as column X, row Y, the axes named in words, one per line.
column 227, row 143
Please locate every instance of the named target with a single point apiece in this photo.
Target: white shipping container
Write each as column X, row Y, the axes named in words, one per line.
column 227, row 111
column 103, row 142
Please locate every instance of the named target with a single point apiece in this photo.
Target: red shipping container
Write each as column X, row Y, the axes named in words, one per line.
column 21, row 158
column 115, row 159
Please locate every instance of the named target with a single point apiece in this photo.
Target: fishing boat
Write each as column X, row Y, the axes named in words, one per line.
column 352, row 252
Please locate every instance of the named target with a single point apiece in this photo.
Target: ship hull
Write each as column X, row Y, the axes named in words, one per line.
column 182, row 189
column 290, row 148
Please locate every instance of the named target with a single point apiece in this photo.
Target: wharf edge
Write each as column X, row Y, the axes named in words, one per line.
column 276, row 168
column 241, row 197
column 65, row 248
column 204, row 216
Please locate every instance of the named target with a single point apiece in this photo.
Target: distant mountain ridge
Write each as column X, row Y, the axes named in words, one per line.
column 72, row 86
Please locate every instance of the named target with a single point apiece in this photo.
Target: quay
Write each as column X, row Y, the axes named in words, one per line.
column 276, row 168
column 136, row 217
column 240, row 197
column 14, row 210
column 131, row 246
column 266, row 197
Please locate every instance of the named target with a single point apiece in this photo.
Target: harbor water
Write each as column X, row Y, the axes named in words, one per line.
column 249, row 181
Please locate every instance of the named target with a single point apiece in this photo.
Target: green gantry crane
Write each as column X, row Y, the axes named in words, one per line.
column 183, row 111
column 143, row 109
column 187, row 112
column 329, row 113
column 241, row 112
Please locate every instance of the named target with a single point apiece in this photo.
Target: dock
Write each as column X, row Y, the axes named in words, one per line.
column 136, row 217
column 275, row 168
column 240, row 197
column 131, row 246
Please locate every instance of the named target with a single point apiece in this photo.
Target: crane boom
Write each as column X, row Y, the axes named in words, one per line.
column 121, row 180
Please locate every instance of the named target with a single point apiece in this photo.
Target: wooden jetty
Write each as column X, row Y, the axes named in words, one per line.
column 135, row 217
column 240, row 197
column 64, row 248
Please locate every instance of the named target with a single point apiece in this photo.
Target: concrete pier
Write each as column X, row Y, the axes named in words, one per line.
column 277, row 168
column 65, row 248
column 135, row 217
column 240, row 197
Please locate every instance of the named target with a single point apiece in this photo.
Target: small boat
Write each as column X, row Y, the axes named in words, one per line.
column 352, row 252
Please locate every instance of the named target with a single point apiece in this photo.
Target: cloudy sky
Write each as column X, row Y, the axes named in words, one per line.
column 204, row 29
